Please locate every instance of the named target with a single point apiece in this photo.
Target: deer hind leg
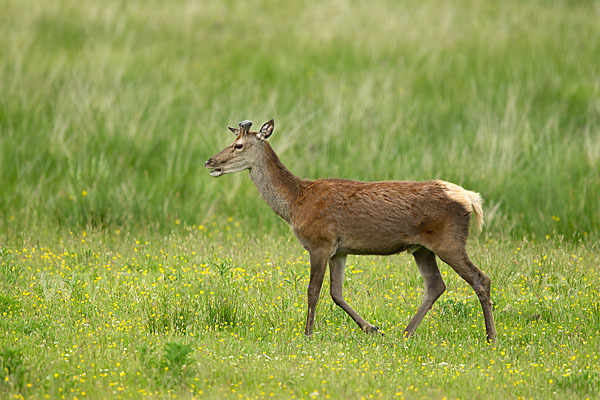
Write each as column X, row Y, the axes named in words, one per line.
column 336, row 272
column 434, row 286
column 458, row 259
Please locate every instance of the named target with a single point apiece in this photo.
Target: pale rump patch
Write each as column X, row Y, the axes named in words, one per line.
column 469, row 200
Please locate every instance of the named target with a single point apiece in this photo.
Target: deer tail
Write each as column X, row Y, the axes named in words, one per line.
column 471, row 201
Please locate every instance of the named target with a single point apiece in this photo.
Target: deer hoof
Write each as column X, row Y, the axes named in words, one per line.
column 372, row 329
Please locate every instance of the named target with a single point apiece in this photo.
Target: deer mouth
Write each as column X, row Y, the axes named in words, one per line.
column 216, row 172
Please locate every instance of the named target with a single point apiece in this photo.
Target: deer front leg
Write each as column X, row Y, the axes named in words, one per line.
column 318, row 264
column 336, row 272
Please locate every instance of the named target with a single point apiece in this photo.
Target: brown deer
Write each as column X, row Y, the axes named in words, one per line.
column 335, row 217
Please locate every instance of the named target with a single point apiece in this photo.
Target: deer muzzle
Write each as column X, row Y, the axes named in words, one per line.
column 215, row 170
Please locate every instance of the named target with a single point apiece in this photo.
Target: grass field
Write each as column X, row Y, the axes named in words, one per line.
column 124, row 100
column 209, row 312
column 127, row 272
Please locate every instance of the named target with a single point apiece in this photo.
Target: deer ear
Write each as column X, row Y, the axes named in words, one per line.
column 235, row 131
column 266, row 130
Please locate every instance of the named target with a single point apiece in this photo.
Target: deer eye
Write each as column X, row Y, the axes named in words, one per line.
column 238, row 146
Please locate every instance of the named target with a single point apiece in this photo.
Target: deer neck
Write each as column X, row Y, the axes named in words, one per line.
column 277, row 185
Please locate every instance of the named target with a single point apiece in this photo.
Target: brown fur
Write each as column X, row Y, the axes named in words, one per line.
column 335, row 217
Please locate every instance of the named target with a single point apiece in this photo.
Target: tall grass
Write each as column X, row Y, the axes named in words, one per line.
column 109, row 109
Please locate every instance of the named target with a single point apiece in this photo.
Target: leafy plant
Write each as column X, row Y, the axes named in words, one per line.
column 176, row 362
column 12, row 371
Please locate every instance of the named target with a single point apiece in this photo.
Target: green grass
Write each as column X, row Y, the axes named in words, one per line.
column 215, row 312
column 127, row 272
column 126, row 100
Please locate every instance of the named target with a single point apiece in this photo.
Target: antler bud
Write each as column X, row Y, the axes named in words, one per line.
column 245, row 126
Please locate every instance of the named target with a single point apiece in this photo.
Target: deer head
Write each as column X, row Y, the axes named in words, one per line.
column 243, row 153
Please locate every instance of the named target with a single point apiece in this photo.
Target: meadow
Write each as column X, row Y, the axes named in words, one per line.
column 208, row 312
column 127, row 272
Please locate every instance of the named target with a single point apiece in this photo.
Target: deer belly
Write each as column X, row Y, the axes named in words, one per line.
column 374, row 243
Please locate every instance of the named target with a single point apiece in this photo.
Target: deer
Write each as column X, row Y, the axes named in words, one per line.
column 334, row 218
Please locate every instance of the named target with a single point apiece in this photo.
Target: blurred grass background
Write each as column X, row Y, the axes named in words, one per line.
column 108, row 109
